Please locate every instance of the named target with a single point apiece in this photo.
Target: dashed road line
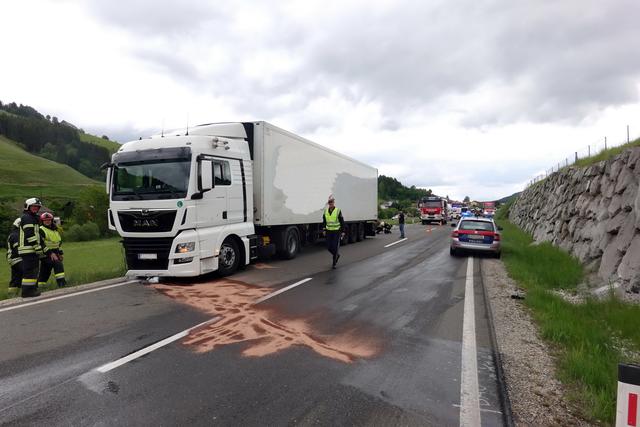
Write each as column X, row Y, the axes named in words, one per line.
column 278, row 292
column 395, row 243
column 112, row 365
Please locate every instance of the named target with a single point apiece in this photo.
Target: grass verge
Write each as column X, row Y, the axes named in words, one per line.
column 606, row 154
column 590, row 339
column 84, row 262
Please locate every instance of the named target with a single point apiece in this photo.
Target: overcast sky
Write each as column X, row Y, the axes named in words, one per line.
column 466, row 97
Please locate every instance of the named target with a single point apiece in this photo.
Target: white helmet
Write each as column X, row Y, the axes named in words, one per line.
column 34, row 201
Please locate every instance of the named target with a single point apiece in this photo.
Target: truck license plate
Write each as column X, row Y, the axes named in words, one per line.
column 147, row 256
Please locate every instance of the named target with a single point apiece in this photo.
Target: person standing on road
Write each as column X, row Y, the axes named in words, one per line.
column 333, row 224
column 401, row 224
column 13, row 241
column 53, row 256
column 30, row 248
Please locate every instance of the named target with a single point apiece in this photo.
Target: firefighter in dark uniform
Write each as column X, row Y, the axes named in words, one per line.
column 333, row 224
column 30, row 248
column 13, row 241
column 51, row 247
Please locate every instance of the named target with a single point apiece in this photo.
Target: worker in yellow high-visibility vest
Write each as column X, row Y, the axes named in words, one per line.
column 52, row 250
column 333, row 224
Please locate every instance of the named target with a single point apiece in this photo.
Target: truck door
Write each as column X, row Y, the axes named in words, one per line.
column 215, row 211
column 236, row 193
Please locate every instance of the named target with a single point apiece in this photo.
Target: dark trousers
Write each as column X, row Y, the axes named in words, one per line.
column 46, row 265
column 30, row 266
column 401, row 230
column 16, row 275
column 333, row 243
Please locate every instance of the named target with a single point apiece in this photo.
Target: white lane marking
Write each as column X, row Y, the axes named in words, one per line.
column 469, row 394
column 491, row 411
column 395, row 243
column 112, row 365
column 278, row 292
column 29, row 304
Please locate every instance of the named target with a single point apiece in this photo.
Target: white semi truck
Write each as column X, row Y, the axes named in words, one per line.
column 220, row 195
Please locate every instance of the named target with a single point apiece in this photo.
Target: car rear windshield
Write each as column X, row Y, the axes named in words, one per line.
column 476, row 225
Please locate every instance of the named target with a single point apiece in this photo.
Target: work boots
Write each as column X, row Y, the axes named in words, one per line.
column 62, row 283
column 29, row 291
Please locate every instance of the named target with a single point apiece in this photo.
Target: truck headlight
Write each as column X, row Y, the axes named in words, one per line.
column 183, row 248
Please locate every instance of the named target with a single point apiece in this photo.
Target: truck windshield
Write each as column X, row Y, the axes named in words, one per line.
column 166, row 179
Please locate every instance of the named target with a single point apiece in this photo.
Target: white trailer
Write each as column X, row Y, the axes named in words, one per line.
column 221, row 194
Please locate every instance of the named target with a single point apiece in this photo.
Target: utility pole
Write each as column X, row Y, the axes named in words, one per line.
column 627, row 134
column 605, row 142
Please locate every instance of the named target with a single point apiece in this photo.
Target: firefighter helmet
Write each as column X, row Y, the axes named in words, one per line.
column 34, row 201
column 46, row 216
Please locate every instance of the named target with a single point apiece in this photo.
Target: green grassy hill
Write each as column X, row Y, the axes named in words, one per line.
column 25, row 175
column 109, row 145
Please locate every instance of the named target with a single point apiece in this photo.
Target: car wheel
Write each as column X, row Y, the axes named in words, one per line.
column 452, row 252
column 229, row 258
column 360, row 232
column 497, row 255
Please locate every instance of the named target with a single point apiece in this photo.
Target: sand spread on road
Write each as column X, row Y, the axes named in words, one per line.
column 262, row 330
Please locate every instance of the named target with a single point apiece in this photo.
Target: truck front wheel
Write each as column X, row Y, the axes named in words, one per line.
column 229, row 258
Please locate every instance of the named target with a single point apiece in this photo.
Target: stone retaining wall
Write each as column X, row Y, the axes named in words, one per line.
column 593, row 213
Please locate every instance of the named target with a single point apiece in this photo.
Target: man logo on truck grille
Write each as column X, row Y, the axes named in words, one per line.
column 145, row 223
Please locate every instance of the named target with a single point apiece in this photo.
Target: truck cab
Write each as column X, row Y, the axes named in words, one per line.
column 182, row 203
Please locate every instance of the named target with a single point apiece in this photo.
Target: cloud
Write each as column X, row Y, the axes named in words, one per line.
column 427, row 91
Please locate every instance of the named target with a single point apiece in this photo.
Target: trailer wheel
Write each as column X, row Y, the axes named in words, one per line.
column 352, row 233
column 229, row 258
column 291, row 243
column 360, row 237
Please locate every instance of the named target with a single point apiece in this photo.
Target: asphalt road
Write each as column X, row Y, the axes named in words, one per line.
column 378, row 341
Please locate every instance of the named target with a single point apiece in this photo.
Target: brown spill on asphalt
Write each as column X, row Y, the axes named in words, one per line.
column 259, row 328
column 263, row 266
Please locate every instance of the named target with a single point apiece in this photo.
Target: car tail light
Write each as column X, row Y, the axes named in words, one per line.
column 454, row 234
column 496, row 236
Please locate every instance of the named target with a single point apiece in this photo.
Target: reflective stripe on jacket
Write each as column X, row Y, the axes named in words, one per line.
column 12, row 248
column 29, row 234
column 332, row 219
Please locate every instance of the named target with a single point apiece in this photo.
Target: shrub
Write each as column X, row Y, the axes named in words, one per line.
column 91, row 231
column 82, row 233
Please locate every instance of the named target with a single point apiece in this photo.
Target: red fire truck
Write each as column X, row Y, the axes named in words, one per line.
column 489, row 209
column 433, row 209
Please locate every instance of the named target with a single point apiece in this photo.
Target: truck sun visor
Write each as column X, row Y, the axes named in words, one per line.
column 159, row 154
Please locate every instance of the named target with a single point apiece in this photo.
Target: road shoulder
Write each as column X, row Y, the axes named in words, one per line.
column 62, row 291
column 536, row 396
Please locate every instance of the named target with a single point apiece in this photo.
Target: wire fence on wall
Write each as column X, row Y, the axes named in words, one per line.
column 588, row 151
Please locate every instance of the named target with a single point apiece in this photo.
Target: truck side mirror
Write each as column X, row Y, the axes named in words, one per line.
column 108, row 180
column 206, row 175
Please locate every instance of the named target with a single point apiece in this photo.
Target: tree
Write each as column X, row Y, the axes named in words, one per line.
column 467, row 199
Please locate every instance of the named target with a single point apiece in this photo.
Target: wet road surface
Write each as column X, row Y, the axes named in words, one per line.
column 377, row 341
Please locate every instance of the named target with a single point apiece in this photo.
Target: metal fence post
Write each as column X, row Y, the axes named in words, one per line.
column 576, row 157
column 605, row 142
column 589, row 148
